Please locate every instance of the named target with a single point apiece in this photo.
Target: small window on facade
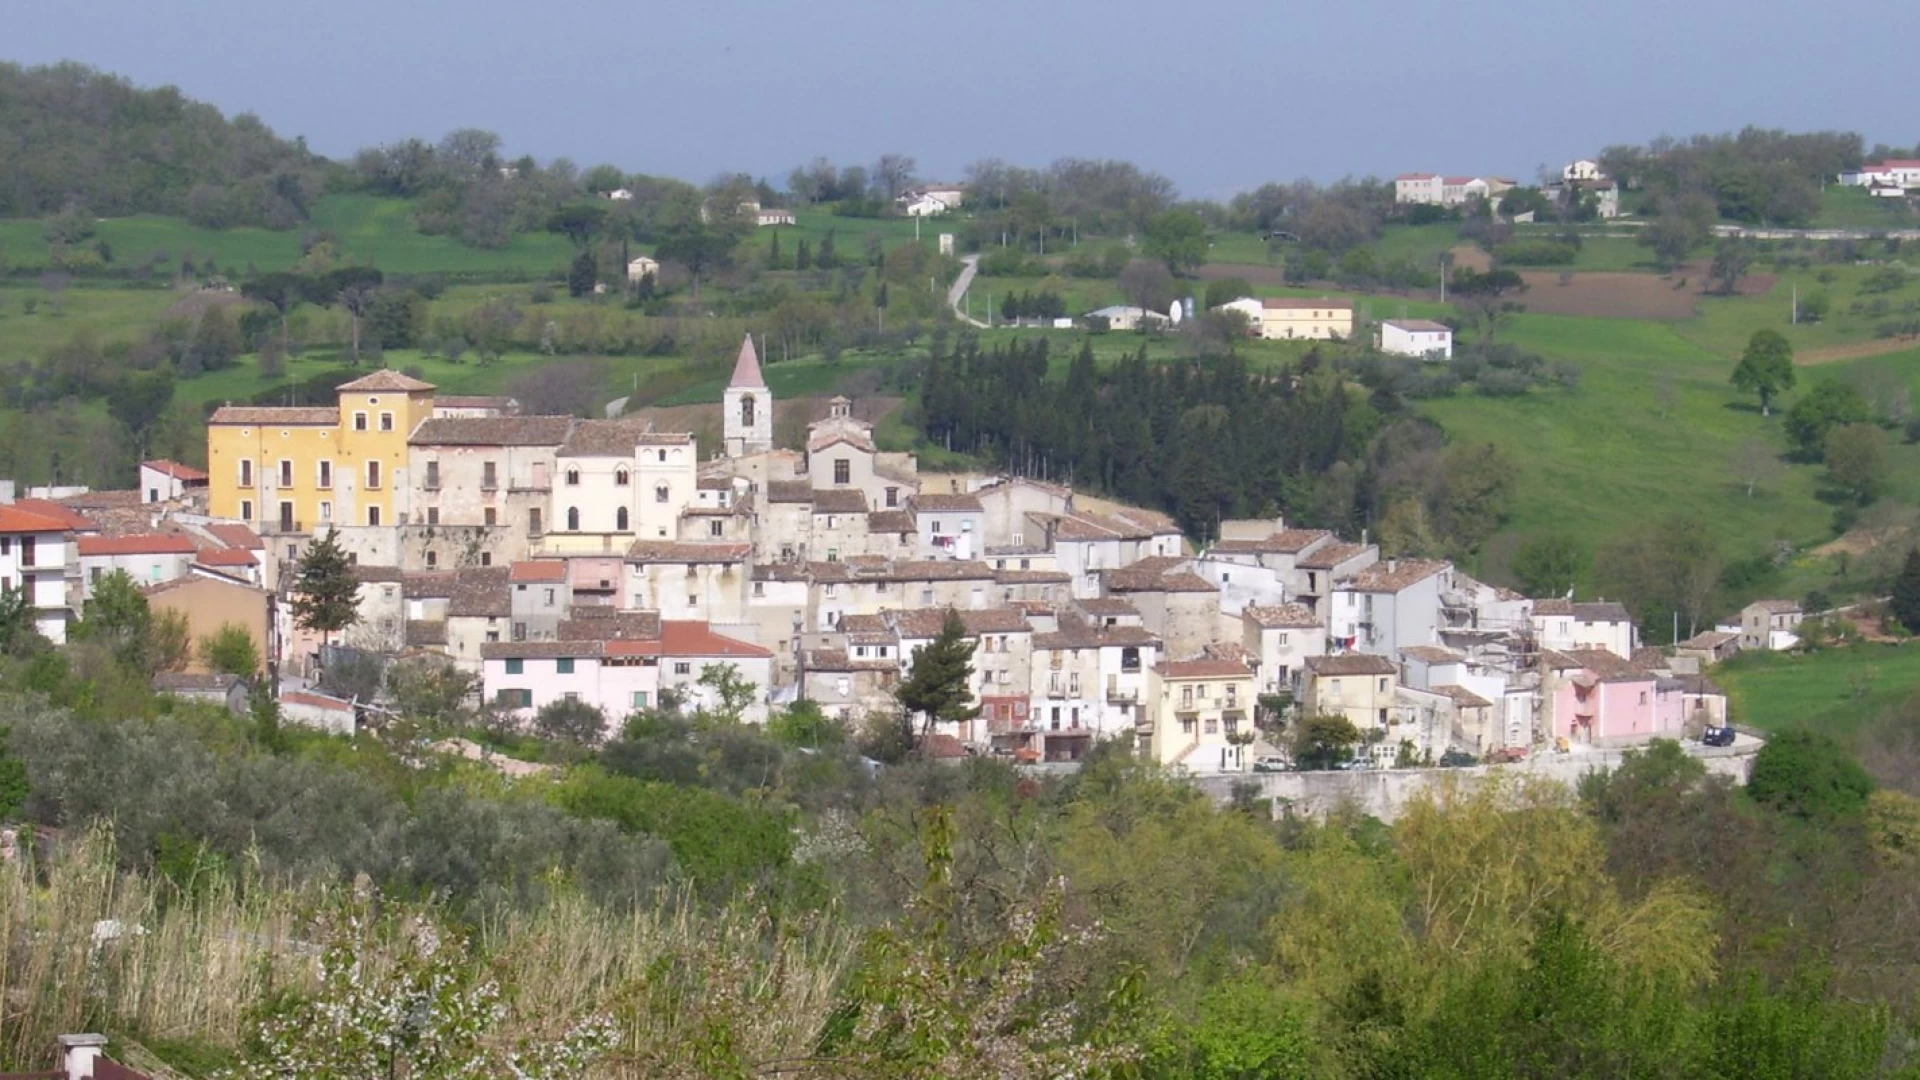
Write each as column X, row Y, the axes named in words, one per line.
column 842, row 471
column 620, row 519
column 433, row 515
column 563, row 666
column 660, row 493
column 682, row 667
column 359, row 421
column 433, row 559
column 490, row 516
column 246, row 510
column 373, row 515
column 386, row 421
column 573, row 476
column 516, row 666
column 621, row 477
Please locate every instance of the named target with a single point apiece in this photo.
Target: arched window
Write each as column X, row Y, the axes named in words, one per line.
column 573, row 476
column 663, row 455
column 746, row 410
column 620, row 476
column 620, row 520
column 573, row 519
column 660, row 493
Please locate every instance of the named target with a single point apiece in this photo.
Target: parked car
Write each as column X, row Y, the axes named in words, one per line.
column 1271, row 763
column 1457, row 759
column 1362, row 762
column 1506, row 755
column 1717, row 736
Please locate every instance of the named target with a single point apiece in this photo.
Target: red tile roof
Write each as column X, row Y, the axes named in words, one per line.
column 386, row 379
column 143, row 544
column 538, row 570
column 746, row 369
column 15, row 520
column 237, row 536
column 269, row 416
column 682, row 638
column 1202, row 669
column 296, row 697
column 184, row 473
column 1295, row 303
column 66, row 515
column 225, row 557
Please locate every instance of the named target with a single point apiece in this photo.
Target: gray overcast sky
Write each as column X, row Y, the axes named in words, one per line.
column 1219, row 95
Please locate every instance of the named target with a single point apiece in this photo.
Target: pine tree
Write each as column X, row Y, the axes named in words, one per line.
column 880, row 296
column 1906, row 593
column 802, row 256
column 582, row 275
column 938, row 687
column 326, row 597
column 824, row 260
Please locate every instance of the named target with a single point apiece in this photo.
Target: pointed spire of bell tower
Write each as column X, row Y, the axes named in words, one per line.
column 746, row 370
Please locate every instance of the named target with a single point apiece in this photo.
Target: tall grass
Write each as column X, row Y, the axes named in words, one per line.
column 88, row 946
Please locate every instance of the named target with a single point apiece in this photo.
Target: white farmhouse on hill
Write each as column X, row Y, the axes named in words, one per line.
column 1416, row 337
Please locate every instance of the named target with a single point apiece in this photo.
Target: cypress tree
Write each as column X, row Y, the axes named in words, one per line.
column 1906, row 593
column 773, row 252
column 326, row 597
column 938, row 688
column 802, row 256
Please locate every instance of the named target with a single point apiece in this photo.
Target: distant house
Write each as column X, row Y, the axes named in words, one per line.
column 640, row 266
column 308, row 709
column 1122, row 317
column 1709, row 646
column 37, row 556
column 1285, row 318
column 164, row 481
column 1770, row 624
column 1416, row 337
column 620, row 195
column 1583, row 170
column 1433, row 189
column 1195, row 712
column 148, row 558
column 1902, row 173
column 926, row 206
column 218, row 689
column 212, row 600
column 773, row 215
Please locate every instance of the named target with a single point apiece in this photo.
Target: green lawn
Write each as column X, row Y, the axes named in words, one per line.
column 108, row 314
column 1725, row 323
column 1852, row 208
column 1834, row 690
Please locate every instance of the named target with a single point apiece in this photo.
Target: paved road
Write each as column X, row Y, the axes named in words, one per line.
column 970, row 265
column 1815, row 234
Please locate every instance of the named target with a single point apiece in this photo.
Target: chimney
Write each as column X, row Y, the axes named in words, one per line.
column 78, row 1053
column 1392, row 565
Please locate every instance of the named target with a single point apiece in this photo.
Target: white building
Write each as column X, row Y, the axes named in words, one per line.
column 1416, row 337
column 1124, row 317
column 148, row 559
column 1561, row 625
column 1389, row 606
column 641, row 266
column 1900, row 173
column 37, row 556
column 620, row 481
column 165, row 481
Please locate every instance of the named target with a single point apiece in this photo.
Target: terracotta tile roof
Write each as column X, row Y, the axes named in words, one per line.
column 1186, row 581
column 366, row 573
column 492, row 431
column 617, row 438
column 1032, row 577
column 386, row 380
column 1280, row 616
column 1393, row 575
column 106, row 501
column 714, row 483
column 1777, row 607
column 840, row 501
column 1351, row 664
column 688, row 551
column 789, row 491
column 1609, row 667
column 236, row 535
column 1463, row 697
column 1297, row 303
column 1419, row 326
column 926, row 622
column 315, row 701
column 1331, row 555
column 426, row 632
column 1202, row 669
column 1432, row 654
column 779, row 572
column 1153, row 574
column 199, row 575
column 1284, row 542
column 145, row 544
column 431, row 584
column 186, row 474
column 890, row 521
column 1227, row 650
column 598, row 622
column 936, row 570
column 1153, row 521
column 15, row 520
column 276, row 416
column 1106, row 605
column 1650, row 658
column 226, row 557
column 480, row 592
column 854, row 437
column 1596, row 611
column 542, row 650
column 1710, row 639
column 538, row 570
column 65, row 515
column 687, row 638
column 819, row 572
column 945, row 503
column 1079, row 635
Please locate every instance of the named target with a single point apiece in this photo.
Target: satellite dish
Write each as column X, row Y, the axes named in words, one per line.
column 1176, row 312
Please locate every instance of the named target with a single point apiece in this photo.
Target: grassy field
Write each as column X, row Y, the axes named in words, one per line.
column 1834, row 690
column 1852, row 208
column 108, row 314
column 366, row 228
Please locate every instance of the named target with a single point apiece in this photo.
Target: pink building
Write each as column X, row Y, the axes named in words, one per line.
column 619, row 663
column 1595, row 698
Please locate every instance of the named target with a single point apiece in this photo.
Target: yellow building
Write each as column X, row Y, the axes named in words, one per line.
column 1198, row 713
column 292, row 470
column 1290, row 317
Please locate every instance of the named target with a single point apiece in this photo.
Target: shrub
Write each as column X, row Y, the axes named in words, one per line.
column 1809, row 775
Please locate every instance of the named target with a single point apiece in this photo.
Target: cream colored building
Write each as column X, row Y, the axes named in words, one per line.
column 1357, row 686
column 1285, row 318
column 1199, row 713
